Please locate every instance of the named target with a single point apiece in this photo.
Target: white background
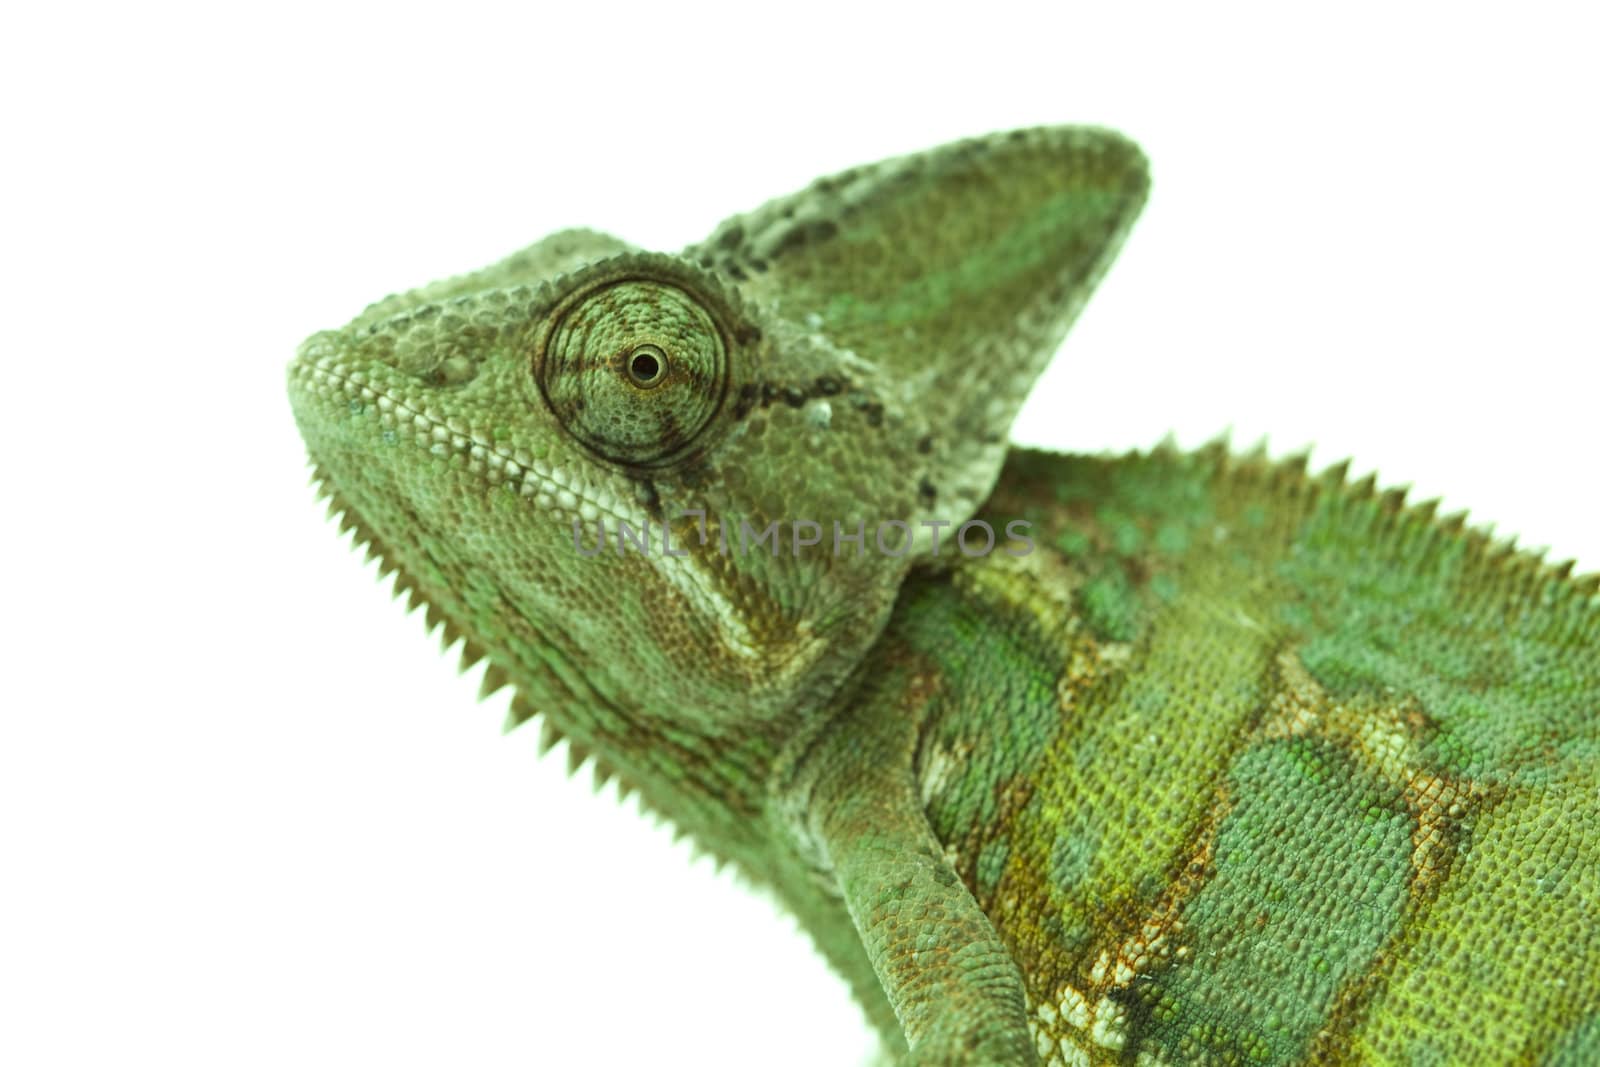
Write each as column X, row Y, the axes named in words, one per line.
column 248, row 814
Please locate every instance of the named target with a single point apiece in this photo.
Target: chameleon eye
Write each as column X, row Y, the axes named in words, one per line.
column 635, row 370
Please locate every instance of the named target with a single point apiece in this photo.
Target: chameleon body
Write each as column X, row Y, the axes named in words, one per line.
column 1205, row 759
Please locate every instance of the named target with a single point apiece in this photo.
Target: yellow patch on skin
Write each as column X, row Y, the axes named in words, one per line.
column 1041, row 580
column 1086, row 662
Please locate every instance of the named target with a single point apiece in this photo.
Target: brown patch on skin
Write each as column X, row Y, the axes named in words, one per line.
column 923, row 682
column 796, row 394
column 1089, row 1019
column 749, row 396
column 1154, row 940
column 1011, row 797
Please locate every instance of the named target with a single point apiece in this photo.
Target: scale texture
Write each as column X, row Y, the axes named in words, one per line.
column 1161, row 759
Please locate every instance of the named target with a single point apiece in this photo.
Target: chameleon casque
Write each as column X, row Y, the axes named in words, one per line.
column 1209, row 760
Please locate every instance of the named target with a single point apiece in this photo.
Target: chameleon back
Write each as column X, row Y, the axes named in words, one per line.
column 1283, row 770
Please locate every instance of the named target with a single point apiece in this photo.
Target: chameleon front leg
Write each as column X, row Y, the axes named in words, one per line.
column 956, row 990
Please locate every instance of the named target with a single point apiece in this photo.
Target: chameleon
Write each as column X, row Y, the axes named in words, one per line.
column 1167, row 757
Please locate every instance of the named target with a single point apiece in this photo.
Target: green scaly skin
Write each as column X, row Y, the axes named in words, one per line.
column 1236, row 765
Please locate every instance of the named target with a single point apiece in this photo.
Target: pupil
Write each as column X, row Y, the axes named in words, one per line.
column 645, row 366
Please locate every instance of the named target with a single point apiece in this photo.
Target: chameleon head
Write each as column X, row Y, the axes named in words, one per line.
column 594, row 477
column 650, row 497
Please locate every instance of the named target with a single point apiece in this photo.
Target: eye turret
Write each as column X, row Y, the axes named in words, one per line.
column 635, row 369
